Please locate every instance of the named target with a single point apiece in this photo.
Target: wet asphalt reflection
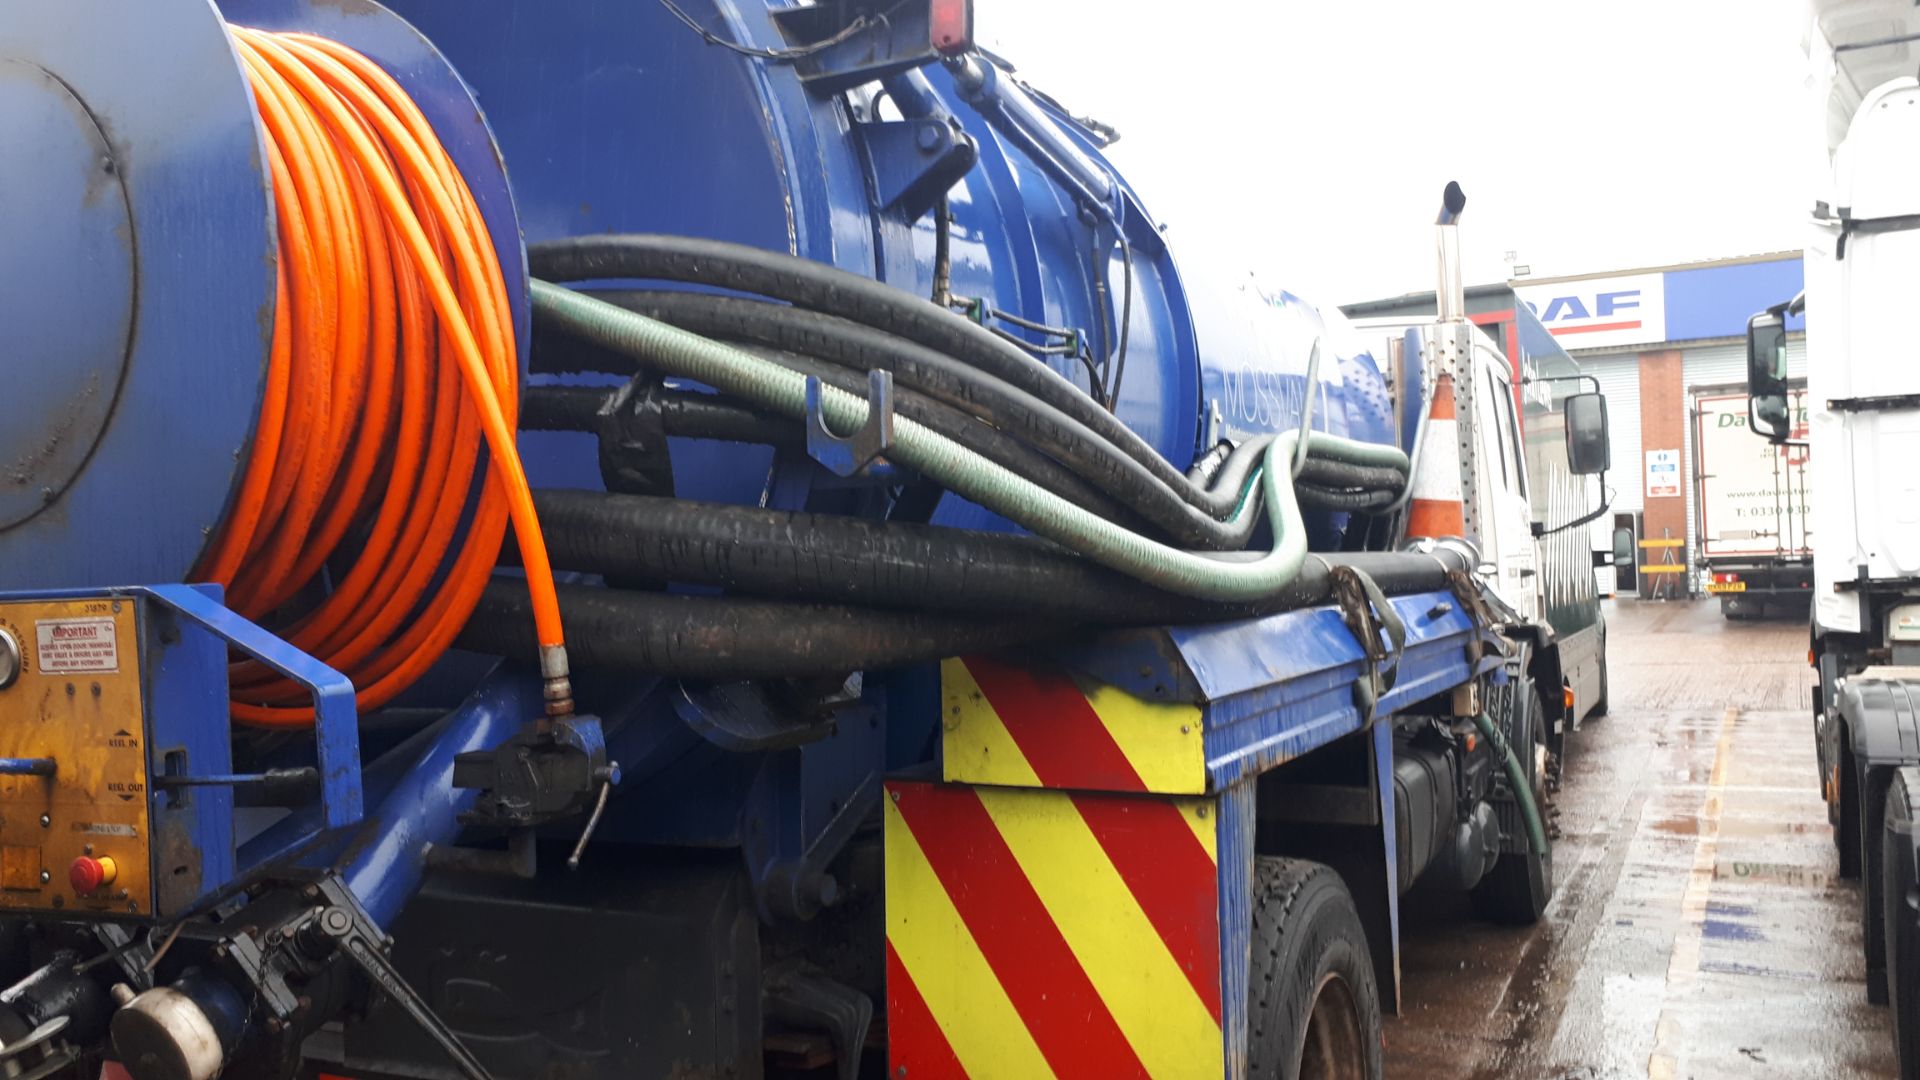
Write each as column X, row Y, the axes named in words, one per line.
column 1697, row 928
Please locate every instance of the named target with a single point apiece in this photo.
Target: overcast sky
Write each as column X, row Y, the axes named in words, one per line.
column 1307, row 142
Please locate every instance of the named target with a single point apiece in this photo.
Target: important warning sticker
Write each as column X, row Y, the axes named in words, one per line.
column 75, row 646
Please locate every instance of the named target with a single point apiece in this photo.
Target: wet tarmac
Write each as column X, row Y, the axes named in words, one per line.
column 1697, row 929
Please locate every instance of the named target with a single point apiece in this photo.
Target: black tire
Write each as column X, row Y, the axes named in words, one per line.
column 1901, row 873
column 1313, row 1007
column 1515, row 892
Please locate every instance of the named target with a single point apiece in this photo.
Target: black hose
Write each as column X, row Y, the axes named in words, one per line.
column 895, row 565
column 829, row 290
column 1313, row 497
column 1207, row 465
column 1328, row 473
column 686, row 413
column 1023, row 416
column 970, row 432
column 703, row 637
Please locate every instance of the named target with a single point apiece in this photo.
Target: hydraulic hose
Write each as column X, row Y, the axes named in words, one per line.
column 1006, row 408
column 830, row 558
column 677, row 352
column 704, row 637
column 686, row 413
column 383, row 255
column 1518, row 780
column 829, row 290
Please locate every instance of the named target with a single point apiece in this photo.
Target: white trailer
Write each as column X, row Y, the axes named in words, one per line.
column 1751, row 507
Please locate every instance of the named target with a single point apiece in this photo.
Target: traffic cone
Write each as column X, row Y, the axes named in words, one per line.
column 1437, row 508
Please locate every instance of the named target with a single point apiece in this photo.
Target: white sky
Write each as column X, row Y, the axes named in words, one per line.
column 1306, row 141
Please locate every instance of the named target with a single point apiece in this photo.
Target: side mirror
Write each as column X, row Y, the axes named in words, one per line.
column 1767, row 376
column 1623, row 546
column 1588, row 451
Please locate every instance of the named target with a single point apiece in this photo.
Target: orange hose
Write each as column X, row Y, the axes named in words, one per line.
column 392, row 358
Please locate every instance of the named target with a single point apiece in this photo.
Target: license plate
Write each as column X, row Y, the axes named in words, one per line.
column 1726, row 586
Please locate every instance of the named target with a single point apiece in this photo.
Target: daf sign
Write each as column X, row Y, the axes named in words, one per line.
column 1597, row 313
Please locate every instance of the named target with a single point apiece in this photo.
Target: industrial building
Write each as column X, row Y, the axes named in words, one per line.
column 1649, row 336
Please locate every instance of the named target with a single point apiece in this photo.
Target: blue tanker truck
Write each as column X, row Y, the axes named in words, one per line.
column 707, row 538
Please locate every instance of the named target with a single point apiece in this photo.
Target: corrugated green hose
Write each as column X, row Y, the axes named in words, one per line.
column 1518, row 780
column 771, row 386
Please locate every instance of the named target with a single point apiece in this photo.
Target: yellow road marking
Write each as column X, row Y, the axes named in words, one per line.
column 1684, row 964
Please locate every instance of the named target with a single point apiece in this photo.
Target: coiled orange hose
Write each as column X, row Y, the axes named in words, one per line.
column 392, row 357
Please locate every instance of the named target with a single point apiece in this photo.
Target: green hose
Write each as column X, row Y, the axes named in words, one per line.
column 771, row 386
column 1519, row 781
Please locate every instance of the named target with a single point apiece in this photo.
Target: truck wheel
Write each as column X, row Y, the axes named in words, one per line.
column 1900, row 875
column 1600, row 707
column 1312, row 1005
column 1515, row 892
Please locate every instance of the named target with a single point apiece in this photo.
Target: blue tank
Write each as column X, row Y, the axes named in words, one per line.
column 611, row 118
column 637, row 125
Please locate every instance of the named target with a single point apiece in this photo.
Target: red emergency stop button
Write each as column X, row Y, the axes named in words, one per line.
column 88, row 873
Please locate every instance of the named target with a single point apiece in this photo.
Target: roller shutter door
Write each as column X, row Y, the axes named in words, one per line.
column 1619, row 377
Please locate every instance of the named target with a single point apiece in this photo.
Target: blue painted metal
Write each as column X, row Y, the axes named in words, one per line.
column 1236, row 828
column 336, row 721
column 385, row 864
column 163, row 196
column 914, row 162
column 185, row 673
column 621, row 82
column 28, row 766
column 1278, row 686
column 114, row 411
column 1387, row 883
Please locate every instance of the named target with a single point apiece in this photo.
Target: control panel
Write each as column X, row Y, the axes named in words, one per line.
column 111, row 704
column 75, row 829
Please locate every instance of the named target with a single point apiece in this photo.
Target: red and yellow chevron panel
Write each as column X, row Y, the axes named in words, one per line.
column 1041, row 727
column 1051, row 934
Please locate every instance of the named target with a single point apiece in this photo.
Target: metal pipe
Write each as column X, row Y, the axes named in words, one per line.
column 1450, row 298
column 423, row 808
column 1020, row 120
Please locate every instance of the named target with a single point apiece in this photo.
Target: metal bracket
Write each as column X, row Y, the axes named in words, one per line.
column 336, row 724
column 903, row 38
column 804, row 996
column 863, row 452
column 1367, row 612
column 344, row 926
column 634, row 459
column 799, row 887
column 738, row 717
column 1879, row 403
column 914, row 162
